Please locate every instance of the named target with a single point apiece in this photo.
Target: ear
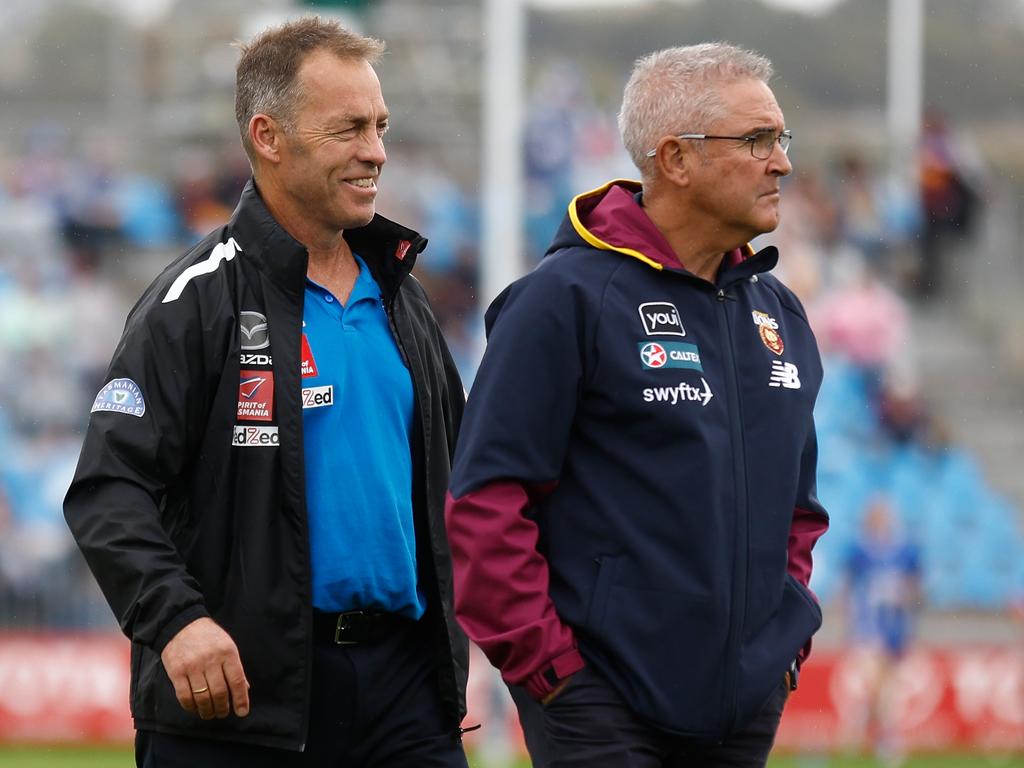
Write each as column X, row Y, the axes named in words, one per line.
column 674, row 160
column 266, row 137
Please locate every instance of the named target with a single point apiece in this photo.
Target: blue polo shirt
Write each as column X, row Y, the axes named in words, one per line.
column 357, row 415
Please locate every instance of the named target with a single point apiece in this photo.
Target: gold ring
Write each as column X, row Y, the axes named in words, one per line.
column 204, row 689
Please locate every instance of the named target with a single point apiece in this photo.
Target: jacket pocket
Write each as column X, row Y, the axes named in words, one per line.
column 599, row 594
column 136, row 687
column 767, row 655
column 661, row 650
column 808, row 598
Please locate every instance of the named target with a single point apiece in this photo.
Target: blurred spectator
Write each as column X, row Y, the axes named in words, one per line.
column 882, row 595
column 91, row 216
column 950, row 177
column 861, row 202
column 865, row 321
column 92, row 306
column 807, row 236
column 201, row 202
column 552, row 124
column 903, row 414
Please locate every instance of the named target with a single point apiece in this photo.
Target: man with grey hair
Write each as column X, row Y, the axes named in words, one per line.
column 261, row 489
column 633, row 504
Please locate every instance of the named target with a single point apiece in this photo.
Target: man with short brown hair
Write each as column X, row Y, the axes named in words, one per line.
column 260, row 491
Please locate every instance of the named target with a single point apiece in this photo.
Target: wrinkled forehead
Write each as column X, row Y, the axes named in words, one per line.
column 747, row 106
column 340, row 85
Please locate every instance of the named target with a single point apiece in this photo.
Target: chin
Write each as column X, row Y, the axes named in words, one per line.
column 356, row 219
column 768, row 223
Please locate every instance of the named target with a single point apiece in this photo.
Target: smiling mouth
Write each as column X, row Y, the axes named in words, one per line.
column 364, row 183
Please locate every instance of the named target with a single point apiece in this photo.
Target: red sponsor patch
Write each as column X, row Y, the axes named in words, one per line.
column 308, row 363
column 256, row 395
column 403, row 248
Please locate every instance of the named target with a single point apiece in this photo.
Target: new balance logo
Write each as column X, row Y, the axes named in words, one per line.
column 784, row 375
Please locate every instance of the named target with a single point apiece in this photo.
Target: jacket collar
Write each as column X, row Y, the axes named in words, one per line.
column 389, row 249
column 612, row 218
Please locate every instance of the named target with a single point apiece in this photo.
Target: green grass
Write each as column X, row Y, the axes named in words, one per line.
column 122, row 757
column 920, row 761
column 66, row 757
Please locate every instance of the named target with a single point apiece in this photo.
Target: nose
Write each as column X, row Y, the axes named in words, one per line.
column 371, row 149
column 778, row 162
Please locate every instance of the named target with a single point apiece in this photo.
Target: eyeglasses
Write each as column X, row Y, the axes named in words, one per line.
column 762, row 144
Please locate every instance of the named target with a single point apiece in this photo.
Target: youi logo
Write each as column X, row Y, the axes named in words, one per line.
column 661, row 318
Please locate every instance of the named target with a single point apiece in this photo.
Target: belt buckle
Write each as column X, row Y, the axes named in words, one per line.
column 343, row 625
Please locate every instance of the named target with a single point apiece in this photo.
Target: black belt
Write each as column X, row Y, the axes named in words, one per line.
column 357, row 627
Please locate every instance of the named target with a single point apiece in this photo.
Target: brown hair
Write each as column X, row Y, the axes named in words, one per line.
column 266, row 78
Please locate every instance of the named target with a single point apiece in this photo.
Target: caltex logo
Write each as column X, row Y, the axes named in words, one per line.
column 653, row 355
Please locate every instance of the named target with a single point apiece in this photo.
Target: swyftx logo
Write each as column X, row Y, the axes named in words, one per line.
column 681, row 392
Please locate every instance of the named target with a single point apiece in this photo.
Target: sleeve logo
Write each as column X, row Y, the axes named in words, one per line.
column 120, row 396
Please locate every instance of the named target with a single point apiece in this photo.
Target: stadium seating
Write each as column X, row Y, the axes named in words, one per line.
column 971, row 544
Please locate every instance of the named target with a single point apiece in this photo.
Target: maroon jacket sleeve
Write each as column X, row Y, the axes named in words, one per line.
column 501, row 587
column 806, row 528
column 810, row 521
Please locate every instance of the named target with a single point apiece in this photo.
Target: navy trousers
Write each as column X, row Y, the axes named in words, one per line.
column 588, row 724
column 373, row 705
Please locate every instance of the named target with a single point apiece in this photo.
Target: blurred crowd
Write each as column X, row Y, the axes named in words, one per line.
column 81, row 234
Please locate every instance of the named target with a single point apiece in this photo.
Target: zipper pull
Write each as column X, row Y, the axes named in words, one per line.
column 721, row 294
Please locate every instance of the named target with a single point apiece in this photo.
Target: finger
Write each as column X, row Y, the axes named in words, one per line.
column 183, row 692
column 237, row 685
column 200, row 690
column 220, row 697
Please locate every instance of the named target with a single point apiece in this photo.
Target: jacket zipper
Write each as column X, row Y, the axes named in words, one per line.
column 306, row 714
column 738, row 609
column 393, row 325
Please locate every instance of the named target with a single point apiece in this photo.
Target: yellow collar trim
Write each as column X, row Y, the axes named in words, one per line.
column 597, row 242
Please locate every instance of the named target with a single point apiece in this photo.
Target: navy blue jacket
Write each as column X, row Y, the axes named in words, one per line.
column 634, row 483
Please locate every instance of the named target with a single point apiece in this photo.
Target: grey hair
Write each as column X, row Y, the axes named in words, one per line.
column 266, row 79
column 673, row 90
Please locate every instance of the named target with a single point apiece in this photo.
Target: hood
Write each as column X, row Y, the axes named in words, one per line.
column 611, row 218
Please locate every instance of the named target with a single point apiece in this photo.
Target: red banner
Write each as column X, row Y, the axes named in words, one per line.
column 75, row 688
column 71, row 688
column 963, row 698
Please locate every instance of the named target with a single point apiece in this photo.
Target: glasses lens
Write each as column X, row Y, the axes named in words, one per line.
column 762, row 145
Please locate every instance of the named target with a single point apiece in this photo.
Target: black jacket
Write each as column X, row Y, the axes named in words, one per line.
column 184, row 506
